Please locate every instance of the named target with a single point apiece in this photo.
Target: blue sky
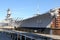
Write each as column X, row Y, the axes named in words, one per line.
column 26, row 8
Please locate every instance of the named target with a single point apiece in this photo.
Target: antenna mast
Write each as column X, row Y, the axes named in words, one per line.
column 38, row 7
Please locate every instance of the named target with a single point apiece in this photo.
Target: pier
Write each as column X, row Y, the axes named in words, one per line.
column 20, row 35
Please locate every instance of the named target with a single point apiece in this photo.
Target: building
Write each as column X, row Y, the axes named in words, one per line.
column 48, row 23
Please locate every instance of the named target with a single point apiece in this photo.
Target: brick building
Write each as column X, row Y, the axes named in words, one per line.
column 56, row 23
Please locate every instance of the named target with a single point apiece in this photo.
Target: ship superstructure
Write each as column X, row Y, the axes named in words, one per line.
column 8, row 21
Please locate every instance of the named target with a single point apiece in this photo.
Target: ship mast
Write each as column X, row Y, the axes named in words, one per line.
column 38, row 8
column 8, row 14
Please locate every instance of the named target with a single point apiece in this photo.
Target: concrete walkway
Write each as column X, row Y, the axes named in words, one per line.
column 50, row 36
column 47, row 35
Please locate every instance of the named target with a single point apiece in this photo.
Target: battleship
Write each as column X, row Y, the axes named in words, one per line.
column 39, row 27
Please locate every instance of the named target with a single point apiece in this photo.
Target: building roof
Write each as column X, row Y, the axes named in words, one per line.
column 39, row 21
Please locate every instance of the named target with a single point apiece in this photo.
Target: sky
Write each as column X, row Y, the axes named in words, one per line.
column 26, row 8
